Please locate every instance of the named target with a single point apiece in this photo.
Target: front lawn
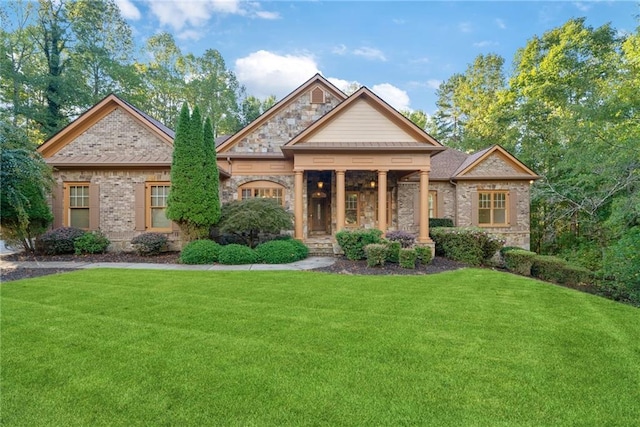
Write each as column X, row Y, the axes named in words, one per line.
column 469, row 347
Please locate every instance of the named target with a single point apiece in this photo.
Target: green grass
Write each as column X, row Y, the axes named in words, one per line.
column 470, row 347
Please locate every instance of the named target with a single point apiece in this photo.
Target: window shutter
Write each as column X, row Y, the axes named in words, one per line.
column 474, row 208
column 57, row 205
column 317, row 96
column 94, row 206
column 140, row 198
column 513, row 208
column 440, row 204
column 416, row 206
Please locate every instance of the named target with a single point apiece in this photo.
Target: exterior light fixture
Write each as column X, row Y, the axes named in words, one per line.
column 320, row 184
column 372, row 184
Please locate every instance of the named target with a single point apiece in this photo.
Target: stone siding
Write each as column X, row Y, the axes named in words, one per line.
column 288, row 123
column 116, row 134
column 446, row 197
column 494, row 165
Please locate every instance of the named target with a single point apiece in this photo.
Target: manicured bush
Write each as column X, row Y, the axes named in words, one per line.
column 406, row 240
column 376, row 254
column 353, row 242
column 424, row 254
column 302, row 251
column 280, row 251
column 440, row 222
column 237, row 254
column 557, row 270
column 393, row 251
column 519, row 261
column 149, row 243
column 93, row 242
column 200, row 252
column 408, row 258
column 469, row 245
column 506, row 249
column 58, row 241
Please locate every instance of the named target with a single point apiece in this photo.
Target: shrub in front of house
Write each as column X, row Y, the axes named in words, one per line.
column 470, row 245
column 423, row 254
column 393, row 252
column 58, row 241
column 557, row 270
column 147, row 244
column 281, row 251
column 353, row 242
column 376, row 254
column 237, row 254
column 406, row 240
column 93, row 242
column 407, row 258
column 518, row 261
column 200, row 252
column 440, row 222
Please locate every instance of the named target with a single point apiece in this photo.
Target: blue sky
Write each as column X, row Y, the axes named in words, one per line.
column 400, row 50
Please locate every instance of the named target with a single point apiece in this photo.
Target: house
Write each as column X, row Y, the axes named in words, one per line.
column 335, row 161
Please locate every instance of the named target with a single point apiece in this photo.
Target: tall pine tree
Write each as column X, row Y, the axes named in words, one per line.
column 211, row 174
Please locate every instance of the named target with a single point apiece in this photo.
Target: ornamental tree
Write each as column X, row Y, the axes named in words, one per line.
column 251, row 217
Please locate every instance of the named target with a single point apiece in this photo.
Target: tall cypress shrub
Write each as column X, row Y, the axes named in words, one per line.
column 211, row 174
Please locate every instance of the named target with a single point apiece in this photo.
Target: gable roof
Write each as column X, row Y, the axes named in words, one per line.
column 97, row 112
column 418, row 140
column 279, row 106
column 522, row 171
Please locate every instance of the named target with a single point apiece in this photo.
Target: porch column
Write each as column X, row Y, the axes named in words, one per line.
column 382, row 200
column 298, row 205
column 339, row 200
column 423, row 236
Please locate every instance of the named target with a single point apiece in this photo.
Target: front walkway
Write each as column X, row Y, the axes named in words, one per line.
column 305, row 264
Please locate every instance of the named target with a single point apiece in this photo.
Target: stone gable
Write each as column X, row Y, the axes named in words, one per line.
column 116, row 134
column 494, row 165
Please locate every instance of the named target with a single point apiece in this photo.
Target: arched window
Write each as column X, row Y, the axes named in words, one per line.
column 263, row 189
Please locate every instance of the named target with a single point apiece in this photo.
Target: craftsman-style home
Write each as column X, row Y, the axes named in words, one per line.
column 335, row 161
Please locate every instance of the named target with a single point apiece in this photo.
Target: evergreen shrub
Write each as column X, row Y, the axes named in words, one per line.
column 94, row 242
column 406, row 240
column 237, row 254
column 393, row 251
column 470, row 245
column 376, row 254
column 557, row 270
column 200, row 252
column 407, row 258
column 58, row 241
column 440, row 222
column 424, row 254
column 281, row 251
column 353, row 242
column 149, row 243
column 519, row 261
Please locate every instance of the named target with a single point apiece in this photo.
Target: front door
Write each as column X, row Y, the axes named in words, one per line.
column 318, row 213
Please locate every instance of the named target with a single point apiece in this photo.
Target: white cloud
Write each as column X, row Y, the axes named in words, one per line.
column 346, row 86
column 263, row 14
column 266, row 73
column 485, row 43
column 423, row 60
column 465, row 27
column 397, row 98
column 190, row 35
column 370, row 53
column 501, row 24
column 433, row 83
column 340, row 50
column 128, row 10
column 582, row 7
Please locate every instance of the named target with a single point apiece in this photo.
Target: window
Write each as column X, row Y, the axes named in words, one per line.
column 433, row 204
column 156, row 203
column 492, row 208
column 262, row 189
column 351, row 211
column 77, row 198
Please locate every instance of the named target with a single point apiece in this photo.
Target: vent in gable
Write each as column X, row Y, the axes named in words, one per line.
column 317, row 96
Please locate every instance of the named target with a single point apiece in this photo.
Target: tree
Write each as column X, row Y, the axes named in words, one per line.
column 211, row 174
column 418, row 117
column 249, row 218
column 253, row 107
column 25, row 180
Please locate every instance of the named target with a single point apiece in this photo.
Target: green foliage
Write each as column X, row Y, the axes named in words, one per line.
column 376, row 254
column 58, row 241
column 149, row 243
column 423, row 254
column 406, row 240
column 440, row 222
column 557, row 270
column 281, row 251
column 393, row 252
column 92, row 242
column 519, row 261
column 200, row 252
column 251, row 217
column 237, row 254
column 353, row 242
column 469, row 245
column 407, row 258
column 622, row 263
column 212, row 178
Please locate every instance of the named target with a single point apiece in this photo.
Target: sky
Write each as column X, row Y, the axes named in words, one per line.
column 402, row 50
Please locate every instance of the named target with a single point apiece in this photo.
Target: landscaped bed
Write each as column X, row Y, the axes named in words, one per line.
column 467, row 347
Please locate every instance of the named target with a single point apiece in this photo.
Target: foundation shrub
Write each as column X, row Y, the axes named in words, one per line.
column 281, row 251
column 557, row 270
column 406, row 240
column 353, row 242
column 200, row 252
column 237, row 254
column 376, row 254
column 58, row 241
column 424, row 254
column 519, row 261
column 148, row 244
column 393, row 251
column 407, row 258
column 440, row 222
column 94, row 242
column 470, row 245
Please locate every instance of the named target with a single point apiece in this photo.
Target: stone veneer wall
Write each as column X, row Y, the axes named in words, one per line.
column 288, row 123
column 117, row 202
column 494, row 165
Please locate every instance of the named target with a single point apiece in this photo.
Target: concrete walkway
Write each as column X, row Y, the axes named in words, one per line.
column 305, row 264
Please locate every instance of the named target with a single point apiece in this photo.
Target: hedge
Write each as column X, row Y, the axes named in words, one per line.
column 237, row 254
column 557, row 270
column 281, row 251
column 470, row 245
column 519, row 261
column 200, row 252
column 376, row 254
column 353, row 242
column 149, row 243
column 407, row 258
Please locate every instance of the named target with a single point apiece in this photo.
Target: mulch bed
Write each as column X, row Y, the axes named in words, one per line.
column 341, row 266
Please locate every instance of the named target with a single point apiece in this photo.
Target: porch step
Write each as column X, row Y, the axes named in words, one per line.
column 320, row 247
